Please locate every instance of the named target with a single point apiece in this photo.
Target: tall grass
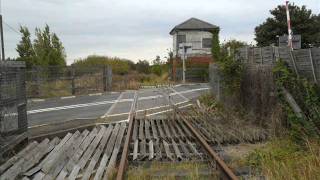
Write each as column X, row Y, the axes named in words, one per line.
column 283, row 159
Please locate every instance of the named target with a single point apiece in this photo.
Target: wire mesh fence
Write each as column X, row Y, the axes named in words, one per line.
column 193, row 74
column 13, row 116
column 50, row 81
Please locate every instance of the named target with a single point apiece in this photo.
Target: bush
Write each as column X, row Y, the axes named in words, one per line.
column 119, row 66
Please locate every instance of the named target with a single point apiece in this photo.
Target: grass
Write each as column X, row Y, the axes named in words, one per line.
column 168, row 171
column 283, row 159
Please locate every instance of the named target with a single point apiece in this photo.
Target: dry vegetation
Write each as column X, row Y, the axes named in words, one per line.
column 170, row 171
column 281, row 157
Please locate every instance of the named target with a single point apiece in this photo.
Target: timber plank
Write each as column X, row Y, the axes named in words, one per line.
column 50, row 156
column 77, row 155
column 167, row 150
column 107, row 153
column 176, row 150
column 79, row 151
column 113, row 159
column 160, row 129
column 15, row 158
column 65, row 157
column 53, row 159
column 147, row 129
column 39, row 176
column 16, row 169
column 135, row 130
column 135, row 149
column 98, row 153
column 151, row 150
column 91, row 148
column 141, row 134
column 166, row 128
column 154, row 129
column 143, row 151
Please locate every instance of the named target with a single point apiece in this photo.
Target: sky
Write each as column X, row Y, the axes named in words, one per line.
column 131, row 29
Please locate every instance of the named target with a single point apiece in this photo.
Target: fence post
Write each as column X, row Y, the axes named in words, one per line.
column 109, row 78
column 312, row 66
column 293, row 62
column 37, row 70
column 104, row 78
column 261, row 56
column 73, row 85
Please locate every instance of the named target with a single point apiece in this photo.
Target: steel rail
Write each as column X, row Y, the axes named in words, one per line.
column 221, row 165
column 124, row 157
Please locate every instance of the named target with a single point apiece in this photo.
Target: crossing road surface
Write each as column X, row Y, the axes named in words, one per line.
column 110, row 105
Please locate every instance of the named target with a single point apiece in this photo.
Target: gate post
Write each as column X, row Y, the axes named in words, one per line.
column 107, row 78
column 73, row 85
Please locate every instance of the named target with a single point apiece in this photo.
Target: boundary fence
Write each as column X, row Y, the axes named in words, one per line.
column 13, row 105
column 193, row 74
column 51, row 81
column 304, row 62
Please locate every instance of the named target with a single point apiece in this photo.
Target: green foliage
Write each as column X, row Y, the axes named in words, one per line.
column 119, row 66
column 302, row 21
column 307, row 96
column 215, row 50
column 25, row 47
column 233, row 45
column 232, row 73
column 159, row 67
column 143, row 67
column 47, row 49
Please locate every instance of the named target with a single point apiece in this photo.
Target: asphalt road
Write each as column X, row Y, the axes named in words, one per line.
column 110, row 105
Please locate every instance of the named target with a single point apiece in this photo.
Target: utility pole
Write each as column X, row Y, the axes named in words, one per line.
column 1, row 34
column 289, row 26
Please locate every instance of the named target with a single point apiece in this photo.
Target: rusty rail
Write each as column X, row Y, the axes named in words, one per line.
column 124, row 156
column 221, row 165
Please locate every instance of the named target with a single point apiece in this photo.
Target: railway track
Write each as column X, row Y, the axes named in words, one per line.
column 94, row 153
column 174, row 139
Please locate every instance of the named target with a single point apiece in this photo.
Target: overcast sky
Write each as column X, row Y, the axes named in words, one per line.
column 132, row 29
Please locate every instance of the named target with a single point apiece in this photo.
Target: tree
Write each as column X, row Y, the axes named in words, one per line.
column 233, row 44
column 303, row 22
column 25, row 48
column 157, row 61
column 46, row 49
column 143, row 67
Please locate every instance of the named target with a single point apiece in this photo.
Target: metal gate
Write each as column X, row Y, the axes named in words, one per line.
column 13, row 103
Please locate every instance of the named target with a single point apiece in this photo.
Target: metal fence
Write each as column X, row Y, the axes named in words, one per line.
column 50, row 81
column 193, row 74
column 304, row 62
column 13, row 115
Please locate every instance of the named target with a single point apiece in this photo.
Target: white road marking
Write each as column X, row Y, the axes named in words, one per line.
column 106, row 102
column 67, row 97
column 95, row 94
column 160, row 112
column 112, row 107
column 77, row 106
column 36, row 100
column 182, row 96
column 142, row 110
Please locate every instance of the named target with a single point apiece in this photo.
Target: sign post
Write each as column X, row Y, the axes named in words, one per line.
column 184, row 50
